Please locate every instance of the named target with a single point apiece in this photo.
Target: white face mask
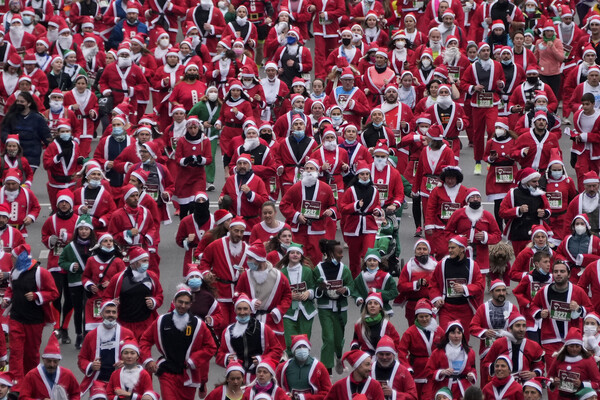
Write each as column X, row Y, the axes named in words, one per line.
column 556, row 174
column 309, row 178
column 52, row 35
column 212, row 96
column 330, row 145
column 580, row 229
column 124, row 62
column 241, row 21
column 164, row 42
column 499, row 132
column 247, row 82
column 426, row 62
column 400, row 44
column 589, row 330
column 423, row 130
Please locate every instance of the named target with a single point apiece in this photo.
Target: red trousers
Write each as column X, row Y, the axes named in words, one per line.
column 483, row 120
column 138, row 328
column 310, row 243
column 25, row 341
column 585, row 164
column 323, row 46
column 409, row 311
column 171, row 387
column 228, row 315
column 453, row 312
column 519, row 245
column 439, row 243
column 53, row 195
column 85, row 145
column 357, row 248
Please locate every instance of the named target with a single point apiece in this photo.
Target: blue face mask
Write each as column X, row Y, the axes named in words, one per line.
column 108, row 249
column 337, row 119
column 195, row 283
column 143, row 267
column 335, row 262
column 242, row 320
column 350, row 141
column 542, row 272
column 117, row 130
column 291, row 40
column 364, row 182
column 252, row 265
column 372, row 271
column 65, row 136
column 301, row 354
column 27, row 20
column 148, row 161
column 299, row 134
column 377, row 125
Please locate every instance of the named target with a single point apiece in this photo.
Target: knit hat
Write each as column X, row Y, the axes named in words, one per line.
column 386, row 343
column 257, row 251
column 445, row 391
column 137, row 253
column 375, row 296
column 84, row 220
column 129, row 190
column 300, row 340
column 52, row 349
column 129, row 343
column 574, row 336
column 295, row 247
column 496, row 283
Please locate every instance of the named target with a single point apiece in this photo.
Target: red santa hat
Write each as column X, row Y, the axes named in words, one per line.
column 540, row 94
column 460, row 241
column 472, row 192
column 21, row 248
column 24, row 78
column 88, row 22
column 584, row 218
column 399, row 34
column 153, row 148
column 14, row 139
column 133, row 7
column 296, row 32
column 201, row 195
column 424, row 241
column 120, row 117
column 296, row 96
column 538, row 383
column 300, row 340
column 257, row 251
column 424, row 306
column 29, row 58
column 448, row 12
column 243, row 298
column 422, row 119
column 362, row 166
column 181, row 289
column 129, row 343
column 515, row 317
column 588, row 49
column 496, row 283
column 574, row 336
column 239, row 42
column 427, row 52
column 451, row 38
column 65, row 195
column 392, row 85
column 590, row 177
column 381, row 148
column 375, row 296
column 410, row 15
column 386, row 344
column 329, row 131
column 14, row 60
column 225, row 42
column 16, row 18
column 237, row 221
column 145, row 128
column 269, row 364
column 106, row 303
column 173, row 51
column 13, row 174
column 483, row 45
column 435, row 132
column 129, row 190
column 188, row 42
column 506, row 359
column 355, row 358
column 270, row 64
column 189, row 26
column 533, row 69
column 549, row 26
column 298, row 81
column 527, row 174
column 498, row 23
column 234, row 84
column 222, row 216
column 123, row 48
column 445, row 86
column 43, row 40
column 381, row 52
column 136, row 253
column 4, row 210
column 537, row 229
column 141, row 175
column 245, row 157
column 502, row 122
column 593, row 316
column 98, row 390
column 192, row 119
column 283, row 10
column 89, row 37
column 235, row 366
column 347, row 73
column 506, row 49
column 454, row 323
column 565, row 11
column 139, row 39
column 28, row 11
column 246, row 72
column 52, row 349
column 7, row 378
column 315, row 162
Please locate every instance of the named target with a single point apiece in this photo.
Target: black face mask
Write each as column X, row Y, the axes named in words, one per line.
column 422, row 259
column 475, row 205
column 346, row 41
column 267, row 138
column 19, row 107
column 532, row 80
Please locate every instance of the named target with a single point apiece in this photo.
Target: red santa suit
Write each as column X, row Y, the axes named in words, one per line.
column 395, row 114
column 274, row 91
column 123, row 221
column 99, row 208
column 246, row 205
column 376, row 84
column 60, row 170
column 409, row 289
column 165, row 185
column 19, row 163
column 462, row 306
column 584, row 369
column 587, row 145
column 190, row 179
column 318, row 379
column 21, row 44
column 524, row 93
column 10, row 238
column 36, row 385
column 573, row 77
column 250, row 38
column 90, row 351
column 590, row 281
column 275, row 305
column 54, row 119
column 511, row 390
column 86, row 112
column 162, row 83
column 165, row 14
column 530, row 356
column 480, row 324
column 292, row 206
column 362, row 341
column 538, row 155
column 129, row 156
column 25, row 205
column 409, row 152
column 443, row 203
column 452, row 124
column 468, row 222
column 389, row 184
column 501, row 174
column 264, row 233
column 187, row 226
column 187, row 94
column 120, row 82
column 39, row 80
column 483, row 115
column 334, row 176
column 232, row 123
column 431, row 13
column 525, row 292
column 57, row 233
column 479, row 30
column 216, row 21
column 524, row 263
column 429, row 167
column 326, row 30
column 439, row 361
column 142, row 387
column 371, row 389
column 354, row 105
column 289, row 164
column 578, row 262
column 226, row 266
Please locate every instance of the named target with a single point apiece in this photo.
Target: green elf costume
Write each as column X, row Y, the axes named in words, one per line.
column 331, row 274
column 374, row 280
column 208, row 111
column 298, row 319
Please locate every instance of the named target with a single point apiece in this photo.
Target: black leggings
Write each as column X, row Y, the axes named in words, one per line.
column 499, row 220
column 416, row 210
column 78, row 299
column 64, row 309
column 554, row 82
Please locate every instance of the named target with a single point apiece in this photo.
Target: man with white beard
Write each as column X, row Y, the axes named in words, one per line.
column 100, row 350
column 209, row 22
column 309, row 207
column 64, row 43
column 263, row 160
column 454, row 60
column 6, row 50
column 186, row 346
column 398, row 116
column 275, row 91
column 18, row 37
column 91, row 54
column 27, row 205
column 569, row 34
column 447, row 28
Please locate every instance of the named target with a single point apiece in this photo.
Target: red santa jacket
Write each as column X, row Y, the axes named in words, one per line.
column 356, row 222
column 327, row 25
column 590, row 281
column 168, row 12
column 481, row 322
column 439, row 361
column 525, row 292
column 121, row 222
column 586, row 370
column 86, row 103
column 128, row 157
column 408, row 282
column 549, row 331
column 524, row 263
column 165, row 185
column 578, row 262
column 198, row 354
column 502, row 172
column 130, row 82
column 274, row 307
column 19, row 163
column 10, row 238
column 305, row 61
column 361, row 338
column 456, row 123
column 401, row 381
column 292, row 204
column 518, row 96
column 218, row 259
column 512, row 390
column 187, row 226
column 474, row 287
column 334, row 175
column 389, row 184
column 59, row 169
column 354, row 105
column 286, row 159
column 113, row 290
column 318, row 379
column 246, row 205
column 35, row 385
column 216, row 21
column 100, row 208
column 465, row 222
column 430, row 166
column 530, row 358
column 56, row 234
column 25, row 205
column 415, row 348
column 442, row 205
column 471, row 78
column 588, row 141
column 142, row 387
column 341, row 390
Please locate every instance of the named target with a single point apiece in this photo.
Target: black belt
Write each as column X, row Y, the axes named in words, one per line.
column 83, row 116
column 225, row 281
column 119, row 90
column 261, row 312
column 230, row 125
column 250, row 217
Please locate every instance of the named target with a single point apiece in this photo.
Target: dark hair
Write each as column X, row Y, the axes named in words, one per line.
column 319, row 79
column 8, row 120
column 563, row 262
column 92, row 237
column 560, row 357
column 537, row 257
column 473, row 393
column 518, row 31
column 588, row 97
column 268, row 204
column 285, row 260
column 327, row 247
column 275, row 242
column 431, row 82
column 218, row 232
column 383, row 265
column 452, row 172
column 446, row 339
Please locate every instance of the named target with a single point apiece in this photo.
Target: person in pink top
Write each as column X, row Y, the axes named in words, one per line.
column 550, row 55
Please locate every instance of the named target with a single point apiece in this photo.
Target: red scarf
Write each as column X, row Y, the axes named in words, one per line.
column 136, row 213
column 497, row 382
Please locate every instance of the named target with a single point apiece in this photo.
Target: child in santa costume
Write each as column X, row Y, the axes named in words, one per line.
column 359, row 381
column 503, row 385
column 265, row 385
column 452, row 364
column 418, row 342
column 297, row 268
column 523, row 262
column 131, row 379
column 22, row 202
column 94, row 198
column 373, row 279
column 12, row 157
column 49, row 380
column 373, row 325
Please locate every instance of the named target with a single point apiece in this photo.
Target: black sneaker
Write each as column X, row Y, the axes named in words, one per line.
column 210, row 187
column 65, row 337
column 78, row 341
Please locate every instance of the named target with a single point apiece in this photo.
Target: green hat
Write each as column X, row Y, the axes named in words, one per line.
column 393, row 160
column 372, row 253
column 84, row 220
column 296, row 247
column 445, row 391
column 586, row 393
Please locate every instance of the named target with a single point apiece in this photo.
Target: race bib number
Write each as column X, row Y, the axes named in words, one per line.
column 334, row 284
column 334, row 189
column 152, row 191
column 89, row 203
column 311, row 209
column 97, row 306
column 324, row 21
column 299, row 174
column 174, row 143
column 383, row 191
column 418, row 3
column 535, row 287
column 485, row 100
column 555, row 200
column 567, row 48
column 448, row 209
column 299, row 287
column 454, row 72
column 567, row 381
column 489, row 341
column 450, row 282
column 342, row 100
column 273, row 185
column 560, row 311
column 431, row 183
column 504, row 174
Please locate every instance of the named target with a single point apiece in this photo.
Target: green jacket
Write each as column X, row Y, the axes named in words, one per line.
column 324, row 300
column 201, row 110
column 388, row 289
column 308, row 306
column 68, row 257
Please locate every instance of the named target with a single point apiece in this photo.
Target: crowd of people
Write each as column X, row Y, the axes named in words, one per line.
column 328, row 118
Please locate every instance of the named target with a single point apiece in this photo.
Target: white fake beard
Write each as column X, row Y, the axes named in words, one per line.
column 473, row 215
column 433, row 325
column 260, row 276
column 130, row 377
column 486, row 64
column 180, row 321
column 309, row 178
column 292, row 49
column 138, row 276
column 89, row 52
column 235, row 248
column 238, row 329
column 11, row 195
column 450, row 55
column 251, row 143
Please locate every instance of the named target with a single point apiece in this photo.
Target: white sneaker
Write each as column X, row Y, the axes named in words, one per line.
column 477, row 170
column 339, row 366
